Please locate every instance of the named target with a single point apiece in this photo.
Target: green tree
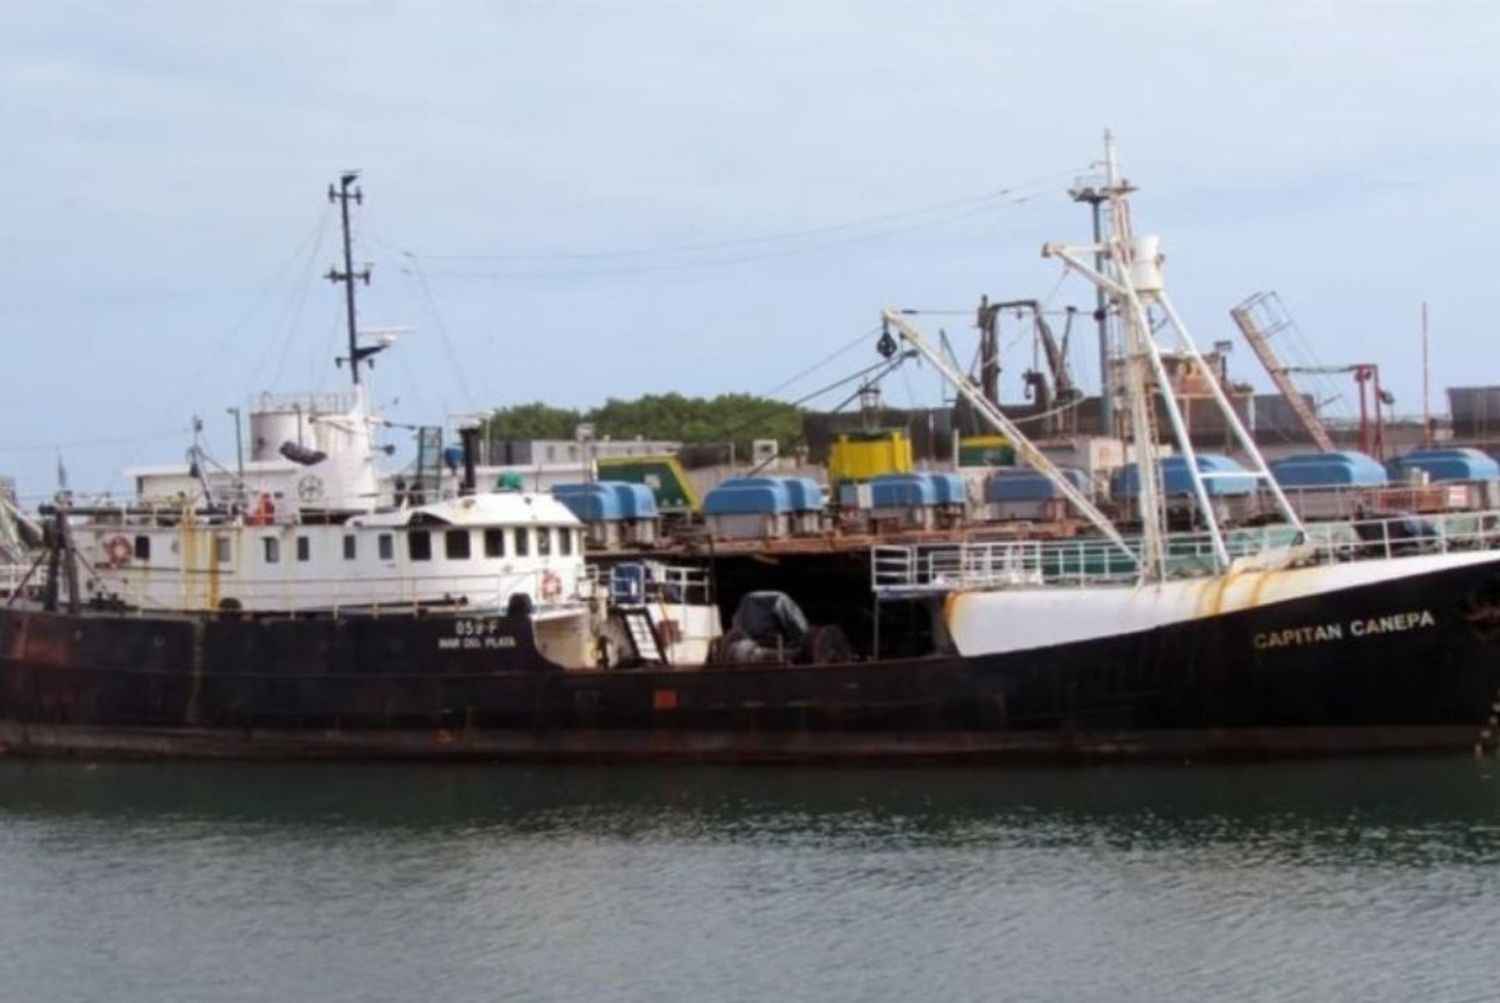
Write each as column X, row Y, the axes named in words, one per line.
column 736, row 418
column 533, row 421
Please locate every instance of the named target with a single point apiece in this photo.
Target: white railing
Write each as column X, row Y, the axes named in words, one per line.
column 897, row 570
column 640, row 582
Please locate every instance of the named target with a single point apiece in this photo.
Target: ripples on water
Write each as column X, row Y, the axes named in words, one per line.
column 1369, row 880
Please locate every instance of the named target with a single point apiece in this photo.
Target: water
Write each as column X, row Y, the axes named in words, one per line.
column 1370, row 880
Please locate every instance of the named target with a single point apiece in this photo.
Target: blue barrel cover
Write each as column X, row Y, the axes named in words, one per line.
column 748, row 496
column 589, row 502
column 806, row 494
column 636, row 501
column 949, row 488
column 1325, row 470
column 607, row 501
column 1176, row 480
column 792, row 494
column 1028, row 485
column 902, row 491
column 1449, row 464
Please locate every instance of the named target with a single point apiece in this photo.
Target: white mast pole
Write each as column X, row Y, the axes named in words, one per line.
column 1121, row 252
column 1122, row 237
column 1149, row 489
column 1241, row 434
column 1142, row 426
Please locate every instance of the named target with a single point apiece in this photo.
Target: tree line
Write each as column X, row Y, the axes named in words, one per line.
column 736, row 418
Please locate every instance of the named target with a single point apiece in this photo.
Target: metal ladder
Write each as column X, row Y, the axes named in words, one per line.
column 1258, row 318
column 642, row 631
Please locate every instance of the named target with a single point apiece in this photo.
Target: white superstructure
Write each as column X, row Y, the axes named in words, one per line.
column 314, row 535
column 476, row 551
column 305, row 525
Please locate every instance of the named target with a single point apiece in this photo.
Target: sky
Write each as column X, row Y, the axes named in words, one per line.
column 568, row 201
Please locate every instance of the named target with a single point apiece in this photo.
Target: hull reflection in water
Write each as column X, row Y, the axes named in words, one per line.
column 1367, row 879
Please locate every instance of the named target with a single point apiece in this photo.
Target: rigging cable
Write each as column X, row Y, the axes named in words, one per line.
column 946, row 214
column 715, row 262
column 442, row 331
column 293, row 316
column 855, row 343
column 312, row 240
column 311, row 243
column 766, row 238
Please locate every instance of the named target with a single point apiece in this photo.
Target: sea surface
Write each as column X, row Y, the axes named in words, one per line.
column 1367, row 880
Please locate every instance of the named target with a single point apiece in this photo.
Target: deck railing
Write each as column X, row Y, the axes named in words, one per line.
column 640, row 582
column 898, row 570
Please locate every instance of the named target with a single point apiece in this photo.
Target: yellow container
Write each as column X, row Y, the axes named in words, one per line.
column 859, row 456
column 986, row 451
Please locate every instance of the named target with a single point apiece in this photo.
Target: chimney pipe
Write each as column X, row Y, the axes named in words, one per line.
column 470, row 438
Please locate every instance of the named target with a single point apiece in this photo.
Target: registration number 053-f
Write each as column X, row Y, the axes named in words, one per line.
column 473, row 633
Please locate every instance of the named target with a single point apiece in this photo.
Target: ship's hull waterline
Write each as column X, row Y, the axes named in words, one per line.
column 1400, row 664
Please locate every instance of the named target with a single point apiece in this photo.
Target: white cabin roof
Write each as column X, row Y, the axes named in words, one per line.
column 185, row 470
column 490, row 509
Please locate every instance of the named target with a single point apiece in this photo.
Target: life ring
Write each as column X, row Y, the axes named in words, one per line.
column 551, row 586
column 118, row 551
column 264, row 512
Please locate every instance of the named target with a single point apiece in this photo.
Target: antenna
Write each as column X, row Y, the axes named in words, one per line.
column 1426, row 384
column 342, row 195
column 1095, row 195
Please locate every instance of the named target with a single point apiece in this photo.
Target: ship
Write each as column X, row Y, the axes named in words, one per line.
column 309, row 614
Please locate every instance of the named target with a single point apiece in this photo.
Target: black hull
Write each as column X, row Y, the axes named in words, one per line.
column 729, row 748
column 431, row 688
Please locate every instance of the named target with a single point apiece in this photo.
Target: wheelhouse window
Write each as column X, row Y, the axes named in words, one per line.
column 143, row 548
column 565, row 542
column 271, row 549
column 456, row 544
column 494, row 543
column 222, row 552
column 544, row 542
column 386, row 544
column 419, row 545
column 304, row 548
column 523, row 542
column 349, row 546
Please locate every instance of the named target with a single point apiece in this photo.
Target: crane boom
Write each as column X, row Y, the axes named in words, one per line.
column 1025, row 449
column 1258, row 337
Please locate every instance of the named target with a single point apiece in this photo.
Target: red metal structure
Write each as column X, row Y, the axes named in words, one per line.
column 1372, row 401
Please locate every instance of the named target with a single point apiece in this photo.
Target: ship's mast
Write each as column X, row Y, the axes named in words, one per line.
column 1117, row 253
column 343, row 194
column 1132, row 277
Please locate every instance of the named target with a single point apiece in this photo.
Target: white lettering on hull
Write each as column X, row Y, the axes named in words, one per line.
column 1391, row 623
column 479, row 634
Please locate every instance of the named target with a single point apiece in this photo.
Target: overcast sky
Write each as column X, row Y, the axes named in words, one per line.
column 165, row 166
